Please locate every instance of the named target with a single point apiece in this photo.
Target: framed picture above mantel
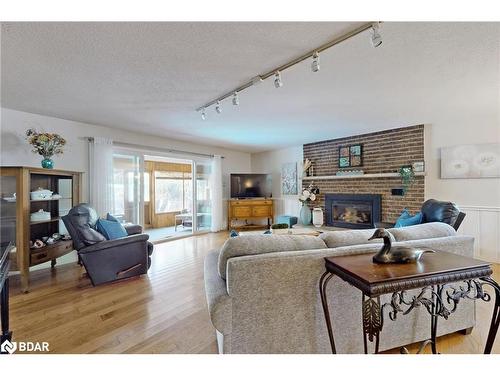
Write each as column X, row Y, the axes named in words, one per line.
column 351, row 156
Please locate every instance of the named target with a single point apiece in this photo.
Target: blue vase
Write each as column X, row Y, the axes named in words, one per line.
column 47, row 163
column 305, row 215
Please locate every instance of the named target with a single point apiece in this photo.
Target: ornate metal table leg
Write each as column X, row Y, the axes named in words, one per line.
column 435, row 308
column 495, row 319
column 323, row 282
column 372, row 321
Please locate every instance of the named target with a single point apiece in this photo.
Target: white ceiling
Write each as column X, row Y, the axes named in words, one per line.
column 150, row 77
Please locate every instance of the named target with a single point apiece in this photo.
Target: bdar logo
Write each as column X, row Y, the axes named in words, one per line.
column 8, row 347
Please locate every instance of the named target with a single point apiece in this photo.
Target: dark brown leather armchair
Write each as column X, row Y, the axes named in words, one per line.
column 444, row 212
column 107, row 260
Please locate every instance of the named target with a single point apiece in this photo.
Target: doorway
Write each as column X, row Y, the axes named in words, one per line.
column 170, row 197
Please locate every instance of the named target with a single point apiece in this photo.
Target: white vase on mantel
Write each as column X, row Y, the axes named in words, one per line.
column 318, row 217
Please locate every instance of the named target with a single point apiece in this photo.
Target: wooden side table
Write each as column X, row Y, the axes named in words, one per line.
column 433, row 274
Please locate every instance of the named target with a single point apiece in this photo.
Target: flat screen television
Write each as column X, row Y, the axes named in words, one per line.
column 251, row 185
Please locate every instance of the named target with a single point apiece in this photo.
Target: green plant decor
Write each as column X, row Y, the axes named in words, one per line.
column 279, row 226
column 407, row 176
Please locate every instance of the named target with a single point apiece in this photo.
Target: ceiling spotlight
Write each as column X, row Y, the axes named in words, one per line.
column 218, row 107
column 376, row 38
column 277, row 80
column 236, row 100
column 203, row 114
column 315, row 63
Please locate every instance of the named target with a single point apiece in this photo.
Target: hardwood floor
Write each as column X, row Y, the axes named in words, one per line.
column 164, row 312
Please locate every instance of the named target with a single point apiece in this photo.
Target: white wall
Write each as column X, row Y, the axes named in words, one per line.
column 465, row 192
column 271, row 162
column 483, row 192
column 478, row 198
column 15, row 151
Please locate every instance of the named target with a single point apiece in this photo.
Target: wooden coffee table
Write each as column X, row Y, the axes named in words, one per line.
column 433, row 274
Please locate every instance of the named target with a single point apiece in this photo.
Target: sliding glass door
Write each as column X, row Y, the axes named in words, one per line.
column 167, row 196
column 203, row 202
column 128, row 200
column 173, row 196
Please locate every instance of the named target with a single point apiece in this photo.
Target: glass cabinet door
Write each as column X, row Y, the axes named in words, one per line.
column 8, row 188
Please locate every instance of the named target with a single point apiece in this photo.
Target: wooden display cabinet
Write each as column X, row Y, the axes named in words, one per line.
column 65, row 183
column 250, row 209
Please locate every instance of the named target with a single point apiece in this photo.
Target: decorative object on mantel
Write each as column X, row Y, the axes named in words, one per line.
column 471, row 161
column 46, row 145
column 396, row 253
column 407, row 176
column 307, row 195
column 289, row 179
column 354, row 172
column 308, row 168
column 418, row 166
column 318, row 219
column 350, row 156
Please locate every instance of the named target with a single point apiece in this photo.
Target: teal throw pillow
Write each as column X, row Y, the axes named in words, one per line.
column 406, row 219
column 111, row 229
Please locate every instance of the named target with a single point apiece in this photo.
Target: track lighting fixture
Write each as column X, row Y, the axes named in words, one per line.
column 315, row 62
column 203, row 114
column 257, row 80
column 376, row 38
column 236, row 100
column 277, row 80
column 275, row 73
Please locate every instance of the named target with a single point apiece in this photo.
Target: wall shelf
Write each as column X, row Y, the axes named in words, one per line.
column 366, row 175
column 51, row 220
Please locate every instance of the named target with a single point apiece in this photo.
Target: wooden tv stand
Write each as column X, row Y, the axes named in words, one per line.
column 250, row 209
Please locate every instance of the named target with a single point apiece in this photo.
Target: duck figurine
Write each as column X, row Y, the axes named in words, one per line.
column 396, row 253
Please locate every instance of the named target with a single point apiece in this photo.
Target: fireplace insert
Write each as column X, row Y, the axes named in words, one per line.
column 357, row 211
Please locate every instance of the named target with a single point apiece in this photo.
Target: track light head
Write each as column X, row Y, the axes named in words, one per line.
column 315, row 62
column 236, row 100
column 376, row 38
column 218, row 107
column 277, row 80
column 203, row 114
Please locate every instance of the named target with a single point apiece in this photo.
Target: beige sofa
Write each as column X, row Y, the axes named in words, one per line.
column 262, row 292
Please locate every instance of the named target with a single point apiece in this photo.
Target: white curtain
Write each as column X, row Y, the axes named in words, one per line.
column 216, row 188
column 101, row 174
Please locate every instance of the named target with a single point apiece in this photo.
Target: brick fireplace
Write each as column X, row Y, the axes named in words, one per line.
column 384, row 153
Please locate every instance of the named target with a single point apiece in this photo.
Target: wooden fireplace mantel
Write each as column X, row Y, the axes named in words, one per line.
column 367, row 175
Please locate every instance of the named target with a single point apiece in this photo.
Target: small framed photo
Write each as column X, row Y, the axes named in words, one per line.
column 355, row 161
column 344, row 162
column 344, row 152
column 350, row 156
column 356, row 150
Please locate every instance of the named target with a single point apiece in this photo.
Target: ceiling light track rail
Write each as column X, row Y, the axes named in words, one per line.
column 311, row 54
